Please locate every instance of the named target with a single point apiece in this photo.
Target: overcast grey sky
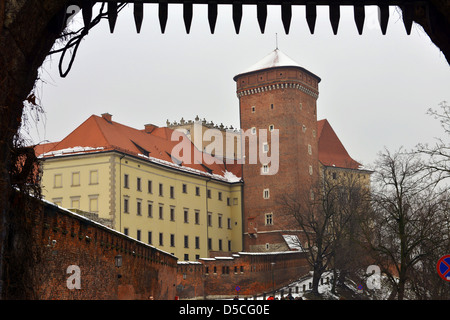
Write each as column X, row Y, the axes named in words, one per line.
column 375, row 89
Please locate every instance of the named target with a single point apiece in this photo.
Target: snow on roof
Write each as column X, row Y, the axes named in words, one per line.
column 71, row 151
column 274, row 59
column 293, row 242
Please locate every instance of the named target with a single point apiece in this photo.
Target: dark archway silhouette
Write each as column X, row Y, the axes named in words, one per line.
column 29, row 29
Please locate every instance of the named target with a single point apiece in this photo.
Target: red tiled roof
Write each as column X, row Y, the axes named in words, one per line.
column 44, row 147
column 96, row 133
column 331, row 151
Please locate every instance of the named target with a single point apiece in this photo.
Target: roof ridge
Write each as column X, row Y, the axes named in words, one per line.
column 100, row 128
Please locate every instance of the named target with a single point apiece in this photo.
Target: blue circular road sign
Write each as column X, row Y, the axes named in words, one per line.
column 443, row 267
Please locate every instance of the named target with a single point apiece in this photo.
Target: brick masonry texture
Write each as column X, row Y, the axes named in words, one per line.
column 145, row 273
column 61, row 239
column 293, row 112
column 254, row 273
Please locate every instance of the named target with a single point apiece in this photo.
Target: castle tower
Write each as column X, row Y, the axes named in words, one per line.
column 277, row 93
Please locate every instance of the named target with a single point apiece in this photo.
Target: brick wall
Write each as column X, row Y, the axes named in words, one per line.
column 65, row 239
column 285, row 98
column 252, row 272
column 66, row 247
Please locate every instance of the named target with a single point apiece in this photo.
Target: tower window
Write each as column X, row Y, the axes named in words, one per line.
column 269, row 219
column 271, row 127
column 271, row 106
column 310, row 170
column 266, row 194
column 253, row 130
column 253, row 109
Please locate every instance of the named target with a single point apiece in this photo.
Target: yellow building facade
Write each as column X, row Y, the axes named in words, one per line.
column 183, row 212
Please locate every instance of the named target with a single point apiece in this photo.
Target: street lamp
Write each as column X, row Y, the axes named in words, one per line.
column 118, row 263
column 273, row 280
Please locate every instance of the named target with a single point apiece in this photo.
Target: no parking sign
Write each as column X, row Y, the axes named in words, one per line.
column 443, row 267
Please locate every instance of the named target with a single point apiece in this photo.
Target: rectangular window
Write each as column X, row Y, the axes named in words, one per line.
column 197, row 242
column 219, row 220
column 138, row 184
column 197, row 191
column 209, row 219
column 208, row 194
column 228, row 223
column 266, row 194
column 161, row 242
column 149, row 186
column 184, row 188
column 57, row 181
column 125, row 181
column 265, row 147
column 161, row 189
column 138, row 235
column 150, row 209
column 75, row 202
column 172, row 213
column 229, row 245
column 93, row 177
column 197, row 217
column 186, row 257
column 220, row 244
column 220, row 196
column 186, row 241
column 139, row 207
column 125, row 205
column 150, row 240
column 125, row 231
column 93, row 203
column 161, row 213
column 186, row 215
column 172, row 192
column 265, row 169
column 75, row 179
column 228, row 202
column 57, row 201
column 269, row 219
column 172, row 240
column 209, row 244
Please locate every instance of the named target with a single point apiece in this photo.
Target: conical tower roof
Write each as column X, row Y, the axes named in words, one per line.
column 274, row 59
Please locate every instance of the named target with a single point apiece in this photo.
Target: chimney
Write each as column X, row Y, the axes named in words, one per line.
column 148, row 128
column 107, row 117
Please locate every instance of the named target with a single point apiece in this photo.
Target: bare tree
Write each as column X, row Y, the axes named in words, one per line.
column 407, row 221
column 327, row 214
column 439, row 154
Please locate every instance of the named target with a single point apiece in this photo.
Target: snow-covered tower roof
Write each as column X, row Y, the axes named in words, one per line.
column 274, row 59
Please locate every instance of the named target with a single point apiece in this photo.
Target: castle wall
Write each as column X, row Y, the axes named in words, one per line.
column 77, row 261
column 253, row 273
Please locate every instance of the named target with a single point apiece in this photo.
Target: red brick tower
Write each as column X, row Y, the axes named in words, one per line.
column 277, row 93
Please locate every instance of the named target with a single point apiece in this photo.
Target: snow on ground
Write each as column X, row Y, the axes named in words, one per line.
column 302, row 286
